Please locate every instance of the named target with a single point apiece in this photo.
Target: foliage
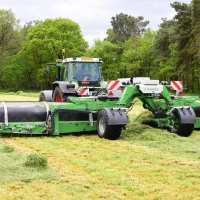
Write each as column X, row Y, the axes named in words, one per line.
column 166, row 68
column 8, row 29
column 36, row 160
column 196, row 28
column 138, row 57
column 125, row 26
column 194, row 44
column 43, row 44
column 172, row 53
column 164, row 37
column 9, row 37
column 183, row 30
column 109, row 53
column 165, row 48
column 14, row 73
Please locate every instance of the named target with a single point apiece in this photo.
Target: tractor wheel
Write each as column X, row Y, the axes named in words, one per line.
column 42, row 97
column 58, row 96
column 184, row 130
column 111, row 132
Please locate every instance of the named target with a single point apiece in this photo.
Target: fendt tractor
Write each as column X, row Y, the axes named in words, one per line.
column 76, row 77
column 102, row 113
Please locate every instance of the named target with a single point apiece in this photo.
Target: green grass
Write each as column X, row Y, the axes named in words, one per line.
column 19, row 96
column 22, row 93
column 13, row 168
column 164, row 141
column 145, row 163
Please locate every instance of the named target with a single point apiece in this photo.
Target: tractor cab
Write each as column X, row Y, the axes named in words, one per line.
column 83, row 71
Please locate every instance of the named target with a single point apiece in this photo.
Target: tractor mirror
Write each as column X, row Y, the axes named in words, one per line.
column 47, row 69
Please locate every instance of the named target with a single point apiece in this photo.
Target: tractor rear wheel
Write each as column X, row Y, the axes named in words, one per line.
column 184, row 130
column 58, row 96
column 111, row 132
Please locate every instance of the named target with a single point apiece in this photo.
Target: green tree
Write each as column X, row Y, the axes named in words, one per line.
column 109, row 52
column 111, row 49
column 164, row 38
column 138, row 56
column 184, row 67
column 166, row 70
column 25, row 29
column 9, row 36
column 194, row 48
column 43, row 44
column 165, row 47
column 125, row 26
column 14, row 73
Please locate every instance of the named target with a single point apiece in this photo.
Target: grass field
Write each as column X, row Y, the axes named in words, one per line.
column 19, row 96
column 145, row 163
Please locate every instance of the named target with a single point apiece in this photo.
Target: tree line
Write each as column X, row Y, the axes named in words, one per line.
column 129, row 50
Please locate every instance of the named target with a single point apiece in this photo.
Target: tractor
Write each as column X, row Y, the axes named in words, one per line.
column 76, row 77
column 100, row 112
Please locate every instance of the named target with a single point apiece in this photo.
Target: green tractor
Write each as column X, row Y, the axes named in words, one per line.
column 76, row 77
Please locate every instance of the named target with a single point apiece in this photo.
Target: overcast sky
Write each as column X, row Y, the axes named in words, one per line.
column 93, row 16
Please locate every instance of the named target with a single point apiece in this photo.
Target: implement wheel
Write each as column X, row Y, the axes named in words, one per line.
column 58, row 96
column 111, row 132
column 184, row 130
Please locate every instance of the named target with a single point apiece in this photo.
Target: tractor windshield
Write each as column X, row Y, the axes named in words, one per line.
column 87, row 71
column 82, row 71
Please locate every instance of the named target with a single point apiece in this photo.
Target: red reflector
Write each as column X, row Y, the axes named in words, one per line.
column 71, row 86
column 180, row 93
column 110, row 93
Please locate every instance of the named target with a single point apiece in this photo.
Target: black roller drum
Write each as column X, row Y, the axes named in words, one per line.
column 23, row 111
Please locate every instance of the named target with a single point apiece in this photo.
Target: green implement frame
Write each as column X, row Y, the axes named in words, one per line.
column 102, row 113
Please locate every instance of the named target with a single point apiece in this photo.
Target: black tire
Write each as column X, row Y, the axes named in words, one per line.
column 58, row 96
column 110, row 132
column 42, row 97
column 184, row 130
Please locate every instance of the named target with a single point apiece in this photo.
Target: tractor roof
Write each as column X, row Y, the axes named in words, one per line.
column 75, row 59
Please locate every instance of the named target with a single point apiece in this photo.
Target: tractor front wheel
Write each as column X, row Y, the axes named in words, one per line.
column 111, row 132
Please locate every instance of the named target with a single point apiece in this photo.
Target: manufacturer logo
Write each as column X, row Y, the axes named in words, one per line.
column 151, row 89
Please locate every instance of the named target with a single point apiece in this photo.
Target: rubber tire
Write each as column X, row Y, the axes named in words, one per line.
column 184, row 130
column 110, row 132
column 42, row 97
column 58, row 96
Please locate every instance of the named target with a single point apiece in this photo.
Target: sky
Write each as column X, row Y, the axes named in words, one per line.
column 93, row 16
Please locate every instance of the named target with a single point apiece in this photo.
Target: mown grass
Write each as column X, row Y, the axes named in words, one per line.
column 145, row 163
column 13, row 168
column 91, row 168
column 162, row 139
